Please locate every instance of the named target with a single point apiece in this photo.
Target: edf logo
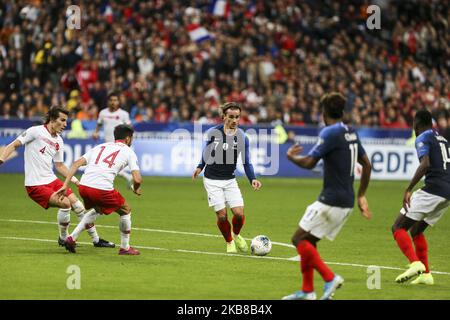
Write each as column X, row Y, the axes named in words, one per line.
column 73, row 17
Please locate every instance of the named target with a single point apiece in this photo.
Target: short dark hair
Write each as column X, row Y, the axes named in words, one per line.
column 423, row 118
column 53, row 113
column 122, row 131
column 230, row 105
column 333, row 104
column 113, row 93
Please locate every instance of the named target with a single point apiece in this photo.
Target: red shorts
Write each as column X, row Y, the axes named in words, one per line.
column 41, row 194
column 107, row 200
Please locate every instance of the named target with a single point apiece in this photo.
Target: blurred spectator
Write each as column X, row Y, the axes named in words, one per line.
column 446, row 132
column 162, row 114
column 141, row 113
column 73, row 102
column 443, row 123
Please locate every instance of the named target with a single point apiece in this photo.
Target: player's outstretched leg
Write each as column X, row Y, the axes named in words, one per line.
column 85, row 223
column 225, row 229
column 404, row 242
column 63, row 223
column 420, row 243
column 310, row 260
column 80, row 211
column 309, row 253
column 331, row 287
column 307, row 292
column 238, row 221
column 63, row 215
column 125, row 230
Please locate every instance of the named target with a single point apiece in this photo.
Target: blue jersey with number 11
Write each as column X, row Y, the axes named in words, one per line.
column 340, row 148
column 437, row 178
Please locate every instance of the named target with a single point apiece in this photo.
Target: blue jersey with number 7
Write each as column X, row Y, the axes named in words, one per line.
column 340, row 148
column 437, row 178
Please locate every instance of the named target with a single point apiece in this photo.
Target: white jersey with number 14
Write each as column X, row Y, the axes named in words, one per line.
column 104, row 162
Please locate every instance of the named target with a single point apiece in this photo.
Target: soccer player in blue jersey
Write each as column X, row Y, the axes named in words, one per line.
column 425, row 206
column 225, row 143
column 340, row 149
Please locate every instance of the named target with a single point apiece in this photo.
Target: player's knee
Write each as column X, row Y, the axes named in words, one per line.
column 394, row 228
column 77, row 206
column 123, row 211
column 398, row 224
column 413, row 233
column 65, row 204
column 221, row 215
column 238, row 214
column 296, row 238
column 294, row 241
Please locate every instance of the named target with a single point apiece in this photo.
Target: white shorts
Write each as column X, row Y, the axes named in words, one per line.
column 322, row 220
column 222, row 193
column 426, row 206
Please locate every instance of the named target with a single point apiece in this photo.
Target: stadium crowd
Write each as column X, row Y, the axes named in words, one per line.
column 275, row 57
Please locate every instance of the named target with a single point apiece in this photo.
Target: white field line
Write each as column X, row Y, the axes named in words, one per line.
column 156, row 248
column 78, row 242
column 295, row 258
column 144, row 229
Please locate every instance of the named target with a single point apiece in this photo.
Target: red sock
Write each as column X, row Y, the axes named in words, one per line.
column 308, row 252
column 306, row 267
column 308, row 276
column 405, row 244
column 422, row 250
column 225, row 228
column 238, row 222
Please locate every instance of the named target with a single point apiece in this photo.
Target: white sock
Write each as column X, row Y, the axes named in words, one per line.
column 92, row 231
column 125, row 230
column 63, row 222
column 79, row 209
column 88, row 219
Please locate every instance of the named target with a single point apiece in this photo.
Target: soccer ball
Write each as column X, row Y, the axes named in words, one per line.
column 260, row 245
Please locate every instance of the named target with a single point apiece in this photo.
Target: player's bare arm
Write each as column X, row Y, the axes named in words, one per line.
column 10, row 148
column 418, row 175
column 70, row 174
column 196, row 173
column 137, row 181
column 364, row 184
column 306, row 162
column 64, row 171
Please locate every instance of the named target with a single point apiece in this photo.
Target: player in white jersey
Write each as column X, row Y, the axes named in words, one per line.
column 43, row 147
column 109, row 118
column 103, row 163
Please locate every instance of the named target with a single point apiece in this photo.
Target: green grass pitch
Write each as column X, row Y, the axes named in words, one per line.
column 183, row 256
